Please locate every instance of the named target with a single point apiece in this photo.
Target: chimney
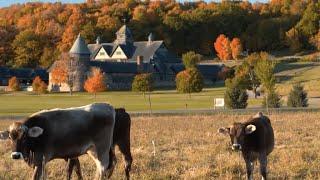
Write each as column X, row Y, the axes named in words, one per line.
column 150, row 38
column 140, row 63
column 98, row 40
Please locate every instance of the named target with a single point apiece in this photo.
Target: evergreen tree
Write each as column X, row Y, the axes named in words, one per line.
column 297, row 97
column 235, row 97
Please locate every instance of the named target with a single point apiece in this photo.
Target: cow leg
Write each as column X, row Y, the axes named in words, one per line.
column 263, row 165
column 37, row 173
column 112, row 162
column 124, row 148
column 39, row 167
column 101, row 158
column 249, row 167
column 71, row 163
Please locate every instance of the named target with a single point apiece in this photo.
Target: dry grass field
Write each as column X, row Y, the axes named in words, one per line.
column 188, row 147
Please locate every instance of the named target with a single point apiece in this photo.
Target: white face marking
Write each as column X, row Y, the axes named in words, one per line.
column 16, row 155
column 236, row 145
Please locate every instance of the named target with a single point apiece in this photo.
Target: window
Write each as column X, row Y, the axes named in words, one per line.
column 101, row 53
column 118, row 53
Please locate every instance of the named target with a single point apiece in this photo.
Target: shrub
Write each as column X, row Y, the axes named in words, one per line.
column 189, row 80
column 39, row 86
column 272, row 99
column 142, row 83
column 297, row 97
column 14, row 84
column 235, row 96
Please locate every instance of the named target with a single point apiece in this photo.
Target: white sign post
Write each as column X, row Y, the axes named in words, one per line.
column 218, row 102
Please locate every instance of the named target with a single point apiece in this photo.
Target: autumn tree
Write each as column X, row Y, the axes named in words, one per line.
column 7, row 35
column 96, row 82
column 293, row 40
column 315, row 40
column 14, row 84
column 222, row 47
column 64, row 71
column 27, row 48
column 191, row 59
column 264, row 70
column 236, row 48
column 142, row 83
column 309, row 23
column 39, row 86
column 189, row 81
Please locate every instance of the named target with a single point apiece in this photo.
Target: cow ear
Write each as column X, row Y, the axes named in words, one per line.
column 250, row 129
column 4, row 135
column 224, row 130
column 35, row 131
column 258, row 115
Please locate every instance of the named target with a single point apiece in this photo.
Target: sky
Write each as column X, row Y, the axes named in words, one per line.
column 5, row 3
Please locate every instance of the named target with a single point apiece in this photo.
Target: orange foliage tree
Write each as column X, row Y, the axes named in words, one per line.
column 222, row 47
column 13, row 84
column 236, row 48
column 95, row 83
column 59, row 73
column 64, row 71
column 38, row 85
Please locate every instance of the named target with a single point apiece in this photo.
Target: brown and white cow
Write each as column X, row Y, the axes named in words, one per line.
column 255, row 139
column 121, row 138
column 64, row 133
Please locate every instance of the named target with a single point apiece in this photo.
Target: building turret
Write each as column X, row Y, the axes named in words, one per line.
column 124, row 36
column 79, row 64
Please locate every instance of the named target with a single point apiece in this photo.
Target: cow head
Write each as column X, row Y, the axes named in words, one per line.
column 237, row 133
column 20, row 135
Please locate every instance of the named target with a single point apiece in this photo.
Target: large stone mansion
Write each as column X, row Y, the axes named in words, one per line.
column 122, row 59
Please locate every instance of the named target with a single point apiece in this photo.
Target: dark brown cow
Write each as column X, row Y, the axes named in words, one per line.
column 255, row 139
column 64, row 133
column 121, row 138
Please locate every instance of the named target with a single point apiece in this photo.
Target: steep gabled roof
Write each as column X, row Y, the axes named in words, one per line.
column 79, row 47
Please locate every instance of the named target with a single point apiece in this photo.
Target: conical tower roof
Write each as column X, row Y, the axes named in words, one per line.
column 79, row 47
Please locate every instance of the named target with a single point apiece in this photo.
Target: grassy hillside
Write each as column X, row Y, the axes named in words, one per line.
column 188, row 147
column 307, row 73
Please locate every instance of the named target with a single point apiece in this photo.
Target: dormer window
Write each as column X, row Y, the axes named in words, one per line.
column 118, row 53
column 101, row 53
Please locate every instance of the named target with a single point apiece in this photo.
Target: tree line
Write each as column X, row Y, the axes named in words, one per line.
column 35, row 34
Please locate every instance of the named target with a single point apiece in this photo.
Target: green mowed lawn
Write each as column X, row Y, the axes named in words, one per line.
column 23, row 103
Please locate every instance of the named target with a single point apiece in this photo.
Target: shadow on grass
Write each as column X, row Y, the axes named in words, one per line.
column 284, row 66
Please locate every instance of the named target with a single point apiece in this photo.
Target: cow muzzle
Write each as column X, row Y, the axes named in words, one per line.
column 236, row 147
column 16, row 155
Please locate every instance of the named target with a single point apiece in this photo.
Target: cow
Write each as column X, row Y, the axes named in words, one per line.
column 64, row 133
column 255, row 139
column 121, row 138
